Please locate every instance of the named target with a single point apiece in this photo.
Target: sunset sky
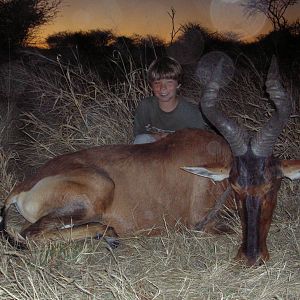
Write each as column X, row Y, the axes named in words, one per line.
column 143, row 17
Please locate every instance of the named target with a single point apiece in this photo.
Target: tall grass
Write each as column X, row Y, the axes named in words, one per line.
column 66, row 108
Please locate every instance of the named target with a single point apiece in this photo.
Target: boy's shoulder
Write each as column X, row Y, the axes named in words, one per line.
column 188, row 102
column 149, row 101
column 187, row 99
column 147, row 105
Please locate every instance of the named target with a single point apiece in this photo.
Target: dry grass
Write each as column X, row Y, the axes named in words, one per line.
column 68, row 109
column 65, row 108
column 185, row 265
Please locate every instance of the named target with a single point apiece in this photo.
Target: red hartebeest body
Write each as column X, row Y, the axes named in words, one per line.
column 127, row 187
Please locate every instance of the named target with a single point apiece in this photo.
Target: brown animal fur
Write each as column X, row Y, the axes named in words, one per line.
column 130, row 188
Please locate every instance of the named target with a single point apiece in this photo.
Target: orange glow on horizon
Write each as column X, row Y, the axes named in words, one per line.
column 129, row 17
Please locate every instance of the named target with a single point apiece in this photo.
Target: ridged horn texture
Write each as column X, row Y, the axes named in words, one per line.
column 236, row 136
column 263, row 142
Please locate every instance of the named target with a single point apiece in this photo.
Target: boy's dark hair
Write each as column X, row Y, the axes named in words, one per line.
column 165, row 68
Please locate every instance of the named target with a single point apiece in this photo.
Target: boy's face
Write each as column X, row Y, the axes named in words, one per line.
column 165, row 89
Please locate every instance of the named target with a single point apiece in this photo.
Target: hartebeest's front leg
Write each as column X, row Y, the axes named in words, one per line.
column 56, row 230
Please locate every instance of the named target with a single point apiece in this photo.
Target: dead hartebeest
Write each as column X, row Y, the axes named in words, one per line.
column 124, row 189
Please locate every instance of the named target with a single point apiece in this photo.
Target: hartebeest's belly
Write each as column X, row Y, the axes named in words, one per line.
column 137, row 209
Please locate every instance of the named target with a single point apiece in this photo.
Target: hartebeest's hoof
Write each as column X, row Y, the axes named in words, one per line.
column 242, row 258
column 19, row 243
column 112, row 242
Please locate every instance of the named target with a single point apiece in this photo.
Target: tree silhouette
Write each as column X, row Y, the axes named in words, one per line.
column 274, row 10
column 83, row 40
column 20, row 18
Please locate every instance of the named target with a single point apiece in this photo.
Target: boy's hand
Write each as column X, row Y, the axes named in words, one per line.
column 158, row 133
column 152, row 129
column 159, row 136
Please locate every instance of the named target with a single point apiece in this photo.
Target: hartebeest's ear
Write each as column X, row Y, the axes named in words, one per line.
column 291, row 169
column 213, row 172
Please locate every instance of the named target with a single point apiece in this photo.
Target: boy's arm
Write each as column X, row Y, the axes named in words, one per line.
column 137, row 127
column 139, row 120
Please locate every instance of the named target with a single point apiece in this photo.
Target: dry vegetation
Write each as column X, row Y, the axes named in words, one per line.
column 62, row 108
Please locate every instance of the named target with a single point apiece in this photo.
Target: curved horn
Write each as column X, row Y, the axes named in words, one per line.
column 263, row 142
column 236, row 136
